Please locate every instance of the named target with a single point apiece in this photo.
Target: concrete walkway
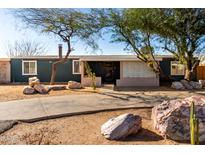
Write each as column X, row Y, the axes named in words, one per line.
column 58, row 106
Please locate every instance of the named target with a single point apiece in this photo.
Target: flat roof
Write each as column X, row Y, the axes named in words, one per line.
column 97, row 57
column 114, row 58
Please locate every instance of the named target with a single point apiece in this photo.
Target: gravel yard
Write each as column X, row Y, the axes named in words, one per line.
column 15, row 92
column 82, row 129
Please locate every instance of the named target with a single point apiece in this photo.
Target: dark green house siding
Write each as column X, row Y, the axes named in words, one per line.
column 166, row 68
column 165, row 65
column 44, row 67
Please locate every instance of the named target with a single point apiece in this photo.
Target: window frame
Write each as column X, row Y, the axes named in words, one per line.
column 177, row 66
column 73, row 63
column 24, row 61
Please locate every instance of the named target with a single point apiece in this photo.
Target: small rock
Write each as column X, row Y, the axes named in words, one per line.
column 42, row 89
column 121, row 126
column 28, row 90
column 177, row 85
column 186, row 84
column 33, row 81
column 195, row 85
column 202, row 82
column 74, row 85
column 57, row 87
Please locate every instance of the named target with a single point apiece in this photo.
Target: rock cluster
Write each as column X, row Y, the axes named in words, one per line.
column 171, row 118
column 121, row 126
column 35, row 87
column 184, row 84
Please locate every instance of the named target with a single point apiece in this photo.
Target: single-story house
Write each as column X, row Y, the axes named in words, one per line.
column 121, row 70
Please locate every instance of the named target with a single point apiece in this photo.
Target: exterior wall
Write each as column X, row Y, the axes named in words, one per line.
column 44, row 69
column 86, row 81
column 138, row 82
column 136, row 74
column 166, row 68
column 165, row 65
column 5, row 71
column 136, row 69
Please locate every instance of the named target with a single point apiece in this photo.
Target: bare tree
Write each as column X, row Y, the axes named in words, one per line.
column 25, row 48
column 67, row 24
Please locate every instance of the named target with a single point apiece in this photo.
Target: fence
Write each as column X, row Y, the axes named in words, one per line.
column 201, row 72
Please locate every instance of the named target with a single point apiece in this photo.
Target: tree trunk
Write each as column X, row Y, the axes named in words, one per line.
column 188, row 75
column 53, row 75
column 190, row 69
column 61, row 61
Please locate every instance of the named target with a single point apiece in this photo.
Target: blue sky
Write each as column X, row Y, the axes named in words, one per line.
column 11, row 30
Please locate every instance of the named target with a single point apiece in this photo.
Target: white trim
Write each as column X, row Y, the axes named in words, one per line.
column 177, row 65
column 73, row 67
column 23, row 61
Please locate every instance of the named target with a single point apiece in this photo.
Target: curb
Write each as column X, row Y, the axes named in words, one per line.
column 76, row 113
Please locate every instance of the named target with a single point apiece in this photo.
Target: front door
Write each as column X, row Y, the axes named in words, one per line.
column 108, row 72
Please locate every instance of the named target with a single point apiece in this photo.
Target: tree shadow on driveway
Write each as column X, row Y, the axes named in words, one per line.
column 140, row 98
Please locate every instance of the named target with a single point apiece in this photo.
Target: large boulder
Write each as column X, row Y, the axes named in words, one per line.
column 186, row 84
column 177, row 85
column 121, row 126
column 195, row 85
column 74, row 85
column 28, row 90
column 33, row 81
column 171, row 118
column 42, row 89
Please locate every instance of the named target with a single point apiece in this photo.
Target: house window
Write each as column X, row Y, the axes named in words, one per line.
column 76, row 66
column 29, row 67
column 177, row 68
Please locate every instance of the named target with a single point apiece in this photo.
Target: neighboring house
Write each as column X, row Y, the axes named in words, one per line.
column 5, row 70
column 121, row 70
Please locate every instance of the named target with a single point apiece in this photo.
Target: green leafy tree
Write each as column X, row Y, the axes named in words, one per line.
column 67, row 24
column 130, row 28
column 182, row 33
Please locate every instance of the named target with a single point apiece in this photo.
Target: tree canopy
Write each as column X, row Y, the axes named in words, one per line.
column 180, row 32
column 67, row 24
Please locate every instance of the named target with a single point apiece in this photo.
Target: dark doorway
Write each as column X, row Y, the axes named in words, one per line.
column 108, row 71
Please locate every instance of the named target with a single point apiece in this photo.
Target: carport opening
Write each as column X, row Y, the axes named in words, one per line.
column 108, row 71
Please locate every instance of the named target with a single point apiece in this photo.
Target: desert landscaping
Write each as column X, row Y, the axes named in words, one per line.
column 82, row 129
column 14, row 92
column 132, row 126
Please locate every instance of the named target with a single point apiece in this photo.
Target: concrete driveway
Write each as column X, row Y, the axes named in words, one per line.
column 58, row 106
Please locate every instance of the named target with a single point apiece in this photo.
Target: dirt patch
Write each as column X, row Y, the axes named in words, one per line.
column 15, row 92
column 82, row 129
